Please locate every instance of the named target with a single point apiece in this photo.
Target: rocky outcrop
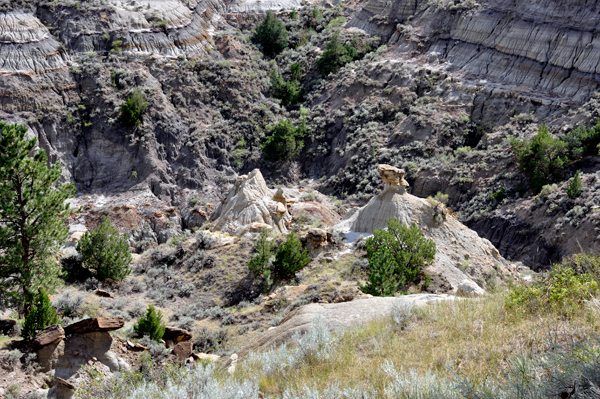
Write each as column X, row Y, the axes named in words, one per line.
column 6, row 326
column 98, row 324
column 176, row 335
column 251, row 201
column 183, row 350
column 50, row 335
column 461, row 256
column 336, row 316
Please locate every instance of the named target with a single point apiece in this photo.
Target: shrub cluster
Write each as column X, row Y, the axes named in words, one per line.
column 271, row 35
column 289, row 258
column 543, row 158
column 563, row 289
column 288, row 91
column 285, row 141
column 40, row 316
column 397, row 257
column 133, row 109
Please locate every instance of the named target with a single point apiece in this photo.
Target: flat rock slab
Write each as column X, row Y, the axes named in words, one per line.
column 50, row 335
column 183, row 350
column 96, row 324
column 104, row 294
column 176, row 334
column 337, row 316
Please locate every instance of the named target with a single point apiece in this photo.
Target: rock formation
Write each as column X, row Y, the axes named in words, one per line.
column 336, row 316
column 462, row 257
column 251, row 201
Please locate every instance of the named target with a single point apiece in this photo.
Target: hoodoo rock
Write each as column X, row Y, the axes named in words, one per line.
column 97, row 324
column 50, row 335
column 462, row 257
column 251, row 201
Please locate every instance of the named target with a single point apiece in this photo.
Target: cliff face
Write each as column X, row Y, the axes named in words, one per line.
column 454, row 75
column 548, row 51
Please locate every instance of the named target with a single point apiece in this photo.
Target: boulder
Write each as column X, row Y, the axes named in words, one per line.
column 461, row 254
column 251, row 201
column 316, row 239
column 6, row 326
column 176, row 334
column 183, row 350
column 50, row 335
column 97, row 324
column 136, row 347
column 469, row 288
column 392, row 175
column 104, row 294
column 206, row 356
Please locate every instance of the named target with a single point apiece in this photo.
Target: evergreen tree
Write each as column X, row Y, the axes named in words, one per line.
column 105, row 252
column 290, row 258
column 285, row 141
column 397, row 257
column 335, row 55
column 542, row 159
column 271, row 35
column 133, row 108
column 41, row 315
column 151, row 325
column 259, row 263
column 32, row 216
column 575, row 186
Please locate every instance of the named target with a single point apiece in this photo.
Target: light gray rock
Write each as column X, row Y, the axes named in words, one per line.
column 336, row 316
column 469, row 288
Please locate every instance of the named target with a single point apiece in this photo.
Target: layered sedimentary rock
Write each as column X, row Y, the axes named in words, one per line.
column 546, row 50
column 462, row 257
column 251, row 201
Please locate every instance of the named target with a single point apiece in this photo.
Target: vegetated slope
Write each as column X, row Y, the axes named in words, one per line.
column 453, row 80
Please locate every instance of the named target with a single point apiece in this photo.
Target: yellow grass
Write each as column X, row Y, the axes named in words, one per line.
column 472, row 337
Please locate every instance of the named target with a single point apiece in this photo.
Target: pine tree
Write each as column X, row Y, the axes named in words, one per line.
column 151, row 325
column 271, row 35
column 575, row 186
column 335, row 55
column 32, row 215
column 264, row 252
column 105, row 252
column 290, row 258
column 397, row 257
column 42, row 315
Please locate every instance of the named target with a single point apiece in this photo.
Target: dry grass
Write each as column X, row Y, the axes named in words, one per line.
column 473, row 338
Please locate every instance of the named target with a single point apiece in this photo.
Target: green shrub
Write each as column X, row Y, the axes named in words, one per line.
column 582, row 141
column 335, row 55
column 542, row 158
column 105, row 252
column 563, row 289
column 41, row 315
column 575, row 186
column 397, row 257
column 287, row 91
column 259, row 263
column 285, row 141
column 271, row 35
column 151, row 325
column 133, row 108
column 290, row 258
column 498, row 196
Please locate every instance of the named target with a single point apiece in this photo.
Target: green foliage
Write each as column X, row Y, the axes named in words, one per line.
column 542, row 159
column 133, row 109
column 397, row 257
column 563, row 289
column 271, row 35
column 151, row 325
column 116, row 46
column 290, row 258
column 32, row 216
column 582, row 141
column 498, row 196
column 259, row 263
column 41, row 315
column 287, row 91
column 285, row 141
column 335, row 55
column 575, row 186
column 105, row 252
